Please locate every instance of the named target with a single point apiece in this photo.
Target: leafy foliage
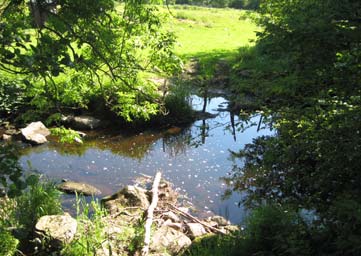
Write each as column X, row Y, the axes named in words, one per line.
column 312, row 94
column 12, row 96
column 71, row 50
column 19, row 214
column 11, row 174
column 66, row 135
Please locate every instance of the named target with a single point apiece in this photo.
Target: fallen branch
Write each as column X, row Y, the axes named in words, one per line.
column 150, row 211
column 187, row 215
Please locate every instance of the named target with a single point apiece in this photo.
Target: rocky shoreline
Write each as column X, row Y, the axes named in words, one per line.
column 173, row 226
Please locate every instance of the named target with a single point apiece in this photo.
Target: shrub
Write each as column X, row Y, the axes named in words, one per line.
column 8, row 243
column 39, row 199
column 91, row 233
column 177, row 105
column 274, row 230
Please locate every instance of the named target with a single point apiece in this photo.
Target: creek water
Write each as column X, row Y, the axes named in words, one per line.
column 194, row 159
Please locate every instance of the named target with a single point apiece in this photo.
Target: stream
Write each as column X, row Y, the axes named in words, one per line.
column 194, row 159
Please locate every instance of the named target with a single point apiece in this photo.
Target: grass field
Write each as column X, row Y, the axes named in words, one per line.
column 202, row 31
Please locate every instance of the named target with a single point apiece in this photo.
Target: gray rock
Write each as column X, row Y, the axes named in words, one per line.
column 60, row 229
column 195, row 230
column 231, row 228
column 221, row 221
column 73, row 187
column 170, row 216
column 128, row 196
column 170, row 240
column 35, row 133
column 82, row 122
column 176, row 226
column 11, row 131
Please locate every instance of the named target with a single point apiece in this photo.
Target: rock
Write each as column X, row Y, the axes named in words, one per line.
column 170, row 216
column 231, row 228
column 79, row 187
column 81, row 134
column 176, row 226
column 6, row 137
column 128, row 196
column 35, row 133
column 82, row 122
column 169, row 240
column 211, row 223
column 184, row 209
column 221, row 221
column 195, row 230
column 11, row 131
column 245, row 73
column 60, row 229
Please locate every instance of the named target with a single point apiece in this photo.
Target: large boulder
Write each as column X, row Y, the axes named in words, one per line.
column 72, row 187
column 167, row 239
column 35, row 133
column 129, row 196
column 59, row 229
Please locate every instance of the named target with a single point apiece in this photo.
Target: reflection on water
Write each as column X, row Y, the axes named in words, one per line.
column 193, row 158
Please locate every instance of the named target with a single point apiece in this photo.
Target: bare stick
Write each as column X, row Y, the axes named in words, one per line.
column 187, row 215
column 150, row 211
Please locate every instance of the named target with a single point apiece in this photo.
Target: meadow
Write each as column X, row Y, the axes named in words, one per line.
column 202, row 31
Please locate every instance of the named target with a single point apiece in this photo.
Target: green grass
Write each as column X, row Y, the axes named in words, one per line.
column 203, row 30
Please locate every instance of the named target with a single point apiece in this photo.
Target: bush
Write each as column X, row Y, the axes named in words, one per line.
column 39, row 199
column 12, row 96
column 91, row 233
column 8, row 243
column 21, row 213
column 177, row 105
column 274, row 230
column 216, row 245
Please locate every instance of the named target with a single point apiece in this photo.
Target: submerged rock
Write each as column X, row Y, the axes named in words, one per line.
column 170, row 240
column 60, row 229
column 35, row 133
column 129, row 196
column 72, row 187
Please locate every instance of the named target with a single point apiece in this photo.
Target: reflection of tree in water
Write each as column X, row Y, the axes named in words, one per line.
column 247, row 175
column 135, row 146
column 175, row 145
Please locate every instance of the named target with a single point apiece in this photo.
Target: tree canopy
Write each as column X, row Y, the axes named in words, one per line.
column 67, row 51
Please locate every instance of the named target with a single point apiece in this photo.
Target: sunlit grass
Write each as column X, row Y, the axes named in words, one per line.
column 207, row 30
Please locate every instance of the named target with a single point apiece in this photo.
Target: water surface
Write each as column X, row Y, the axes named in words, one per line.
column 194, row 159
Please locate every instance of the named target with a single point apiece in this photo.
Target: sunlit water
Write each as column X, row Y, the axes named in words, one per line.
column 194, row 159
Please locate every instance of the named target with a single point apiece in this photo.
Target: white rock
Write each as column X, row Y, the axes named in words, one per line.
column 60, row 229
column 35, row 133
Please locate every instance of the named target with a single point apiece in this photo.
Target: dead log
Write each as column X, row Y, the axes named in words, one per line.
column 150, row 211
